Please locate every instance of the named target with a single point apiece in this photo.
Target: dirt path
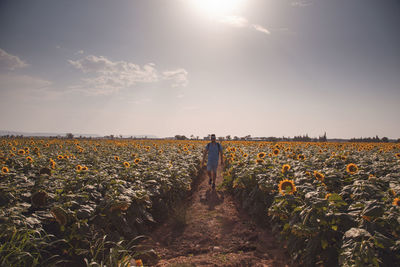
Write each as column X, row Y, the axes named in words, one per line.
column 216, row 233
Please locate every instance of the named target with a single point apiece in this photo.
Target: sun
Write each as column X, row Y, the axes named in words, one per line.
column 217, row 8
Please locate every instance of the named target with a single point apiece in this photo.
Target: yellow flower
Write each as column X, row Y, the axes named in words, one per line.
column 21, row 152
column 276, row 151
column 327, row 195
column 261, row 155
column 396, row 201
column 78, row 167
column 245, row 155
column 259, row 160
column 286, row 187
column 352, row 168
column 126, row 164
column 137, row 160
column 397, row 155
column 285, row 168
column 29, row 159
column 308, row 173
column 319, row 176
column 4, row 170
column 139, row 262
column 116, row 158
column 84, row 168
column 60, row 157
column 301, row 157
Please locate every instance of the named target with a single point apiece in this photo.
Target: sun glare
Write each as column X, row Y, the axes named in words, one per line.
column 217, row 8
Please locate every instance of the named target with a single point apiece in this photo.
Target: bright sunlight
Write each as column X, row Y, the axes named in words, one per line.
column 217, row 8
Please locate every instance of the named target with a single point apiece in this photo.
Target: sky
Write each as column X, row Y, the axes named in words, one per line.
column 229, row 67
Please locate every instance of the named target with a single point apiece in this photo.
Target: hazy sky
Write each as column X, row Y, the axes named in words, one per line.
column 166, row 67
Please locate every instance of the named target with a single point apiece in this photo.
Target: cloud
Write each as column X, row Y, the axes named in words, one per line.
column 302, row 3
column 11, row 81
column 10, row 62
column 107, row 77
column 241, row 22
column 260, row 29
column 235, row 21
column 178, row 77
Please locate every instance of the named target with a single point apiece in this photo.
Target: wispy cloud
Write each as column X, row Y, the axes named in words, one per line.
column 178, row 77
column 10, row 62
column 235, row 21
column 107, row 76
column 241, row 22
column 260, row 29
column 302, row 3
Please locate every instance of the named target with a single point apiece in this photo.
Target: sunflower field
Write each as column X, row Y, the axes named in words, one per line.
column 87, row 202
column 332, row 204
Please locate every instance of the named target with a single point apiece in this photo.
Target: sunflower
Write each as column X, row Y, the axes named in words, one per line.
column 286, row 187
column 53, row 164
column 14, row 149
column 78, row 168
column 60, row 215
column 285, row 168
column 126, row 164
column 319, row 176
column 137, row 160
column 4, row 170
column 245, row 155
column 301, row 157
column 261, row 155
column 29, row 159
column 60, row 157
column 21, row 152
column 139, row 262
column 396, row 201
column 259, row 160
column 327, row 195
column 85, row 168
column 276, row 151
column 397, row 155
column 116, row 158
column 308, row 173
column 352, row 168
column 269, row 154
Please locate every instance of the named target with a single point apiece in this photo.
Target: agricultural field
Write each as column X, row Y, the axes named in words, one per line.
column 76, row 202
column 333, row 204
column 89, row 202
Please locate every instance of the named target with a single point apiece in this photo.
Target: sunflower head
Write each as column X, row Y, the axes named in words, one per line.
column 245, row 155
column 85, row 168
column 116, row 158
column 396, row 201
column 308, row 173
column 261, row 155
column 4, row 170
column 78, row 167
column 259, row 161
column 327, row 195
column 126, row 164
column 60, row 157
column 285, row 168
column 137, row 160
column 286, row 187
column 276, row 152
column 319, row 176
column 29, row 159
column 301, row 157
column 21, row 152
column 352, row 168
column 269, row 154
column 397, row 155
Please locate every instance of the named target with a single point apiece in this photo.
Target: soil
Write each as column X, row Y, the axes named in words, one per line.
column 211, row 230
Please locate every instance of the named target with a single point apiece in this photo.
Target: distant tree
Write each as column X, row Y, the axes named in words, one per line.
column 235, row 138
column 221, row 138
column 385, row 139
column 192, row 137
column 180, row 137
column 228, row 137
